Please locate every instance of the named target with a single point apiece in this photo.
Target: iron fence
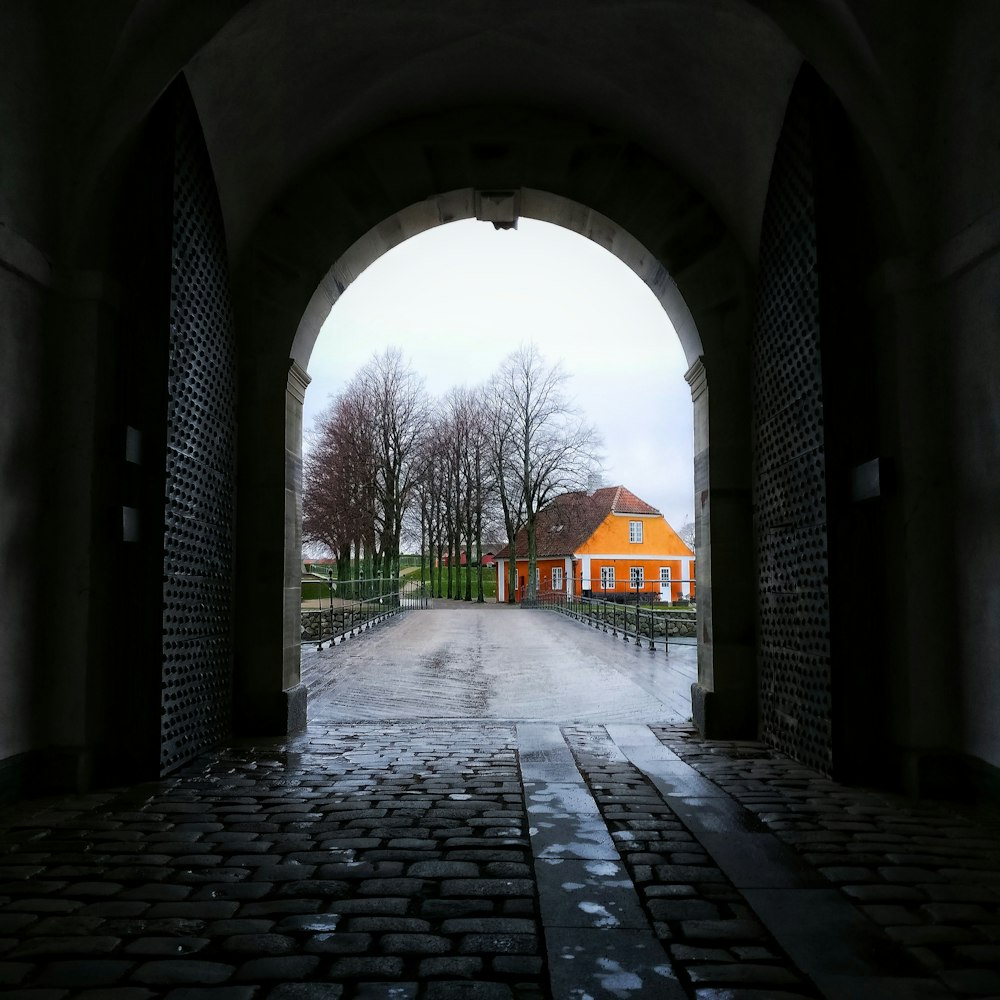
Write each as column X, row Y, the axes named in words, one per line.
column 356, row 605
column 634, row 617
column 676, row 592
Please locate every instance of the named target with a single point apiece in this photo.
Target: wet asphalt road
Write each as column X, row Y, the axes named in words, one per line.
column 460, row 661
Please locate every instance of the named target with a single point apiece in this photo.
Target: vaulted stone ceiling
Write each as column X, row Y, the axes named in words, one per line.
column 323, row 118
column 700, row 86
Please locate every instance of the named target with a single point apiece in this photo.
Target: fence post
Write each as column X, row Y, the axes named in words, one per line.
column 652, row 623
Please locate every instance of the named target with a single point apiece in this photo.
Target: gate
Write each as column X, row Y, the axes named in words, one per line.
column 196, row 683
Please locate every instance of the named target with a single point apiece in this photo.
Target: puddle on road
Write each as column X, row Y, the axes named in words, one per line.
column 606, row 869
column 604, row 918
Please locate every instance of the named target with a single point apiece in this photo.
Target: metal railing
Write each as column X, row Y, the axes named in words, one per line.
column 356, row 605
column 674, row 592
column 635, row 617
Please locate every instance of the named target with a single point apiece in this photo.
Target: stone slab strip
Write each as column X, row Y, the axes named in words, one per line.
column 596, row 942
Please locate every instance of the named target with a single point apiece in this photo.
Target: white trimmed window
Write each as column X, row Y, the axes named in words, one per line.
column 557, row 577
column 538, row 579
column 607, row 578
column 636, row 577
column 635, row 532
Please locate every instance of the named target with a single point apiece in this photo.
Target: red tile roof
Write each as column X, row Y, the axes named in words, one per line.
column 623, row 501
column 569, row 520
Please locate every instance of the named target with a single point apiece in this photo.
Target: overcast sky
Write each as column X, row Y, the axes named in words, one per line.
column 457, row 299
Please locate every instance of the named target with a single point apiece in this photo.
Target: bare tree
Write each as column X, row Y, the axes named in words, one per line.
column 418, row 519
column 399, row 412
column 434, row 487
column 686, row 533
column 454, row 429
column 364, row 465
column 501, row 432
column 379, row 463
column 468, row 422
column 552, row 450
column 441, row 470
column 338, row 500
column 437, row 471
column 479, row 471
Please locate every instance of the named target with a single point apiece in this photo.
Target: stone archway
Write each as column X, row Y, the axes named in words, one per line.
column 309, row 199
column 725, row 697
column 468, row 204
column 663, row 119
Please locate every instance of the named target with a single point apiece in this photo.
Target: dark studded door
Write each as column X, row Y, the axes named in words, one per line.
column 790, row 485
column 196, row 689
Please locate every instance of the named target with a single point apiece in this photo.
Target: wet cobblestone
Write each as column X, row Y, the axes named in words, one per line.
column 329, row 867
column 396, row 860
column 923, row 872
column 708, row 929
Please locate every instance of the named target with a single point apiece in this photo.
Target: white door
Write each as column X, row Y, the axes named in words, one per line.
column 665, row 584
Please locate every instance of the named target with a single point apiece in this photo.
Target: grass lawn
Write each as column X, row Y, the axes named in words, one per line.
column 489, row 582
column 317, row 590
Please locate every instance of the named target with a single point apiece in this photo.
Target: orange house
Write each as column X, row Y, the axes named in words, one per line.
column 607, row 543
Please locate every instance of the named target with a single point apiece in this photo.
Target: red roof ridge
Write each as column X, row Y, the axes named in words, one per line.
column 568, row 520
column 626, row 502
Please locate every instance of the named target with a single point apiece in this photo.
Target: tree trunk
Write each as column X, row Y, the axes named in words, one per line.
column 512, row 563
column 480, row 595
column 532, row 589
column 468, row 539
column 451, row 554
column 423, row 541
column 457, row 542
column 458, row 523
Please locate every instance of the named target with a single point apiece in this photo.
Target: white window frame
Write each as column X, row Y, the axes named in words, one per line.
column 538, row 579
column 635, row 532
column 636, row 577
column 607, row 578
column 557, row 578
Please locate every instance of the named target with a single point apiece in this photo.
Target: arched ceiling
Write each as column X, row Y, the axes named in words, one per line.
column 623, row 197
column 698, row 84
column 282, row 85
column 325, row 118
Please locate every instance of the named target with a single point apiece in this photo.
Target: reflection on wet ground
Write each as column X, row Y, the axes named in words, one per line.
column 496, row 662
column 496, row 805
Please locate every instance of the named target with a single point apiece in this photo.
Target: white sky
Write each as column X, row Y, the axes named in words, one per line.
column 458, row 298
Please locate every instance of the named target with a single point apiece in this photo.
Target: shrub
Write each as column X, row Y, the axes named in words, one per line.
column 312, row 589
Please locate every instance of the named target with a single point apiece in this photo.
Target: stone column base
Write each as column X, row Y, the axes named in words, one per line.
column 280, row 714
column 723, row 717
column 945, row 774
column 58, row 770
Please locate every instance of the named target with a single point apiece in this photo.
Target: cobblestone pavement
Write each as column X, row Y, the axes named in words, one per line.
column 490, row 859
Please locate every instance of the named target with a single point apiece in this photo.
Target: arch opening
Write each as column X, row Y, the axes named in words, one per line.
column 456, row 300
column 601, row 185
column 635, row 135
column 460, row 205
column 465, row 205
